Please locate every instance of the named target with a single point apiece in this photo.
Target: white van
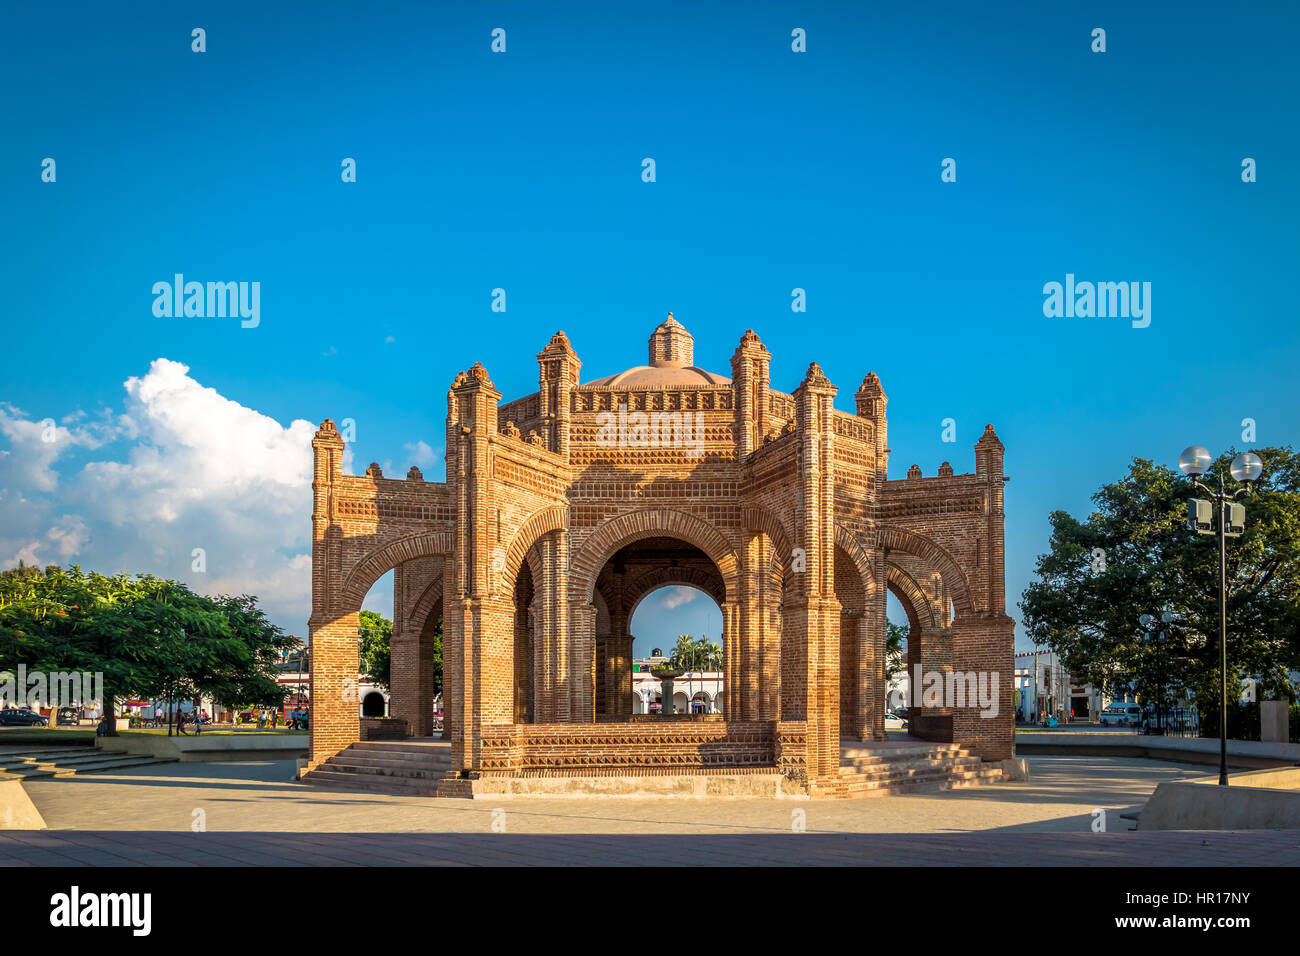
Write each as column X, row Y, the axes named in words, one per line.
column 1122, row 715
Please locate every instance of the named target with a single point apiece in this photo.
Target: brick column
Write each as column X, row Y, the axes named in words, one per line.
column 335, row 721
column 814, row 609
column 930, row 649
column 580, row 678
column 872, row 630
column 335, row 715
column 984, row 645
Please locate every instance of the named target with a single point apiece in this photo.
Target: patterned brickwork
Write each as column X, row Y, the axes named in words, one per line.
column 535, row 551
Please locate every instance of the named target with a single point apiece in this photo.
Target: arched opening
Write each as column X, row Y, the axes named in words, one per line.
column 524, row 622
column 657, row 593
column 684, row 624
column 373, row 704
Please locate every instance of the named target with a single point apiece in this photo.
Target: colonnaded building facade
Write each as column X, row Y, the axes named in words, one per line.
column 564, row 508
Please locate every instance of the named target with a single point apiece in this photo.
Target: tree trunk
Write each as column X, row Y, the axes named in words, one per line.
column 110, row 713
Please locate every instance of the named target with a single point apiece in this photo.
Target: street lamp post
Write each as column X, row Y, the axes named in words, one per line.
column 1246, row 468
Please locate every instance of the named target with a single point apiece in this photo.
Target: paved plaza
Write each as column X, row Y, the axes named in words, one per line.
column 256, row 813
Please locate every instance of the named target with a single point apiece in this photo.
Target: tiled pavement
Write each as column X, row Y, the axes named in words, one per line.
column 256, row 813
column 129, row 848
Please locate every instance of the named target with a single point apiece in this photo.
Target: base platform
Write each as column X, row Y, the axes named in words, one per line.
column 422, row 767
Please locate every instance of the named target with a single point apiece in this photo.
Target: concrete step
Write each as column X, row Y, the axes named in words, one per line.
column 111, row 762
column 403, row 771
column 37, row 755
column 912, row 763
column 930, row 773
column 397, row 746
column 69, row 764
column 396, row 756
column 372, row 783
column 35, row 771
column 923, row 785
column 867, row 755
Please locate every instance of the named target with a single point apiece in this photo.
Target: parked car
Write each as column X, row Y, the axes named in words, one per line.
column 1122, row 715
column 69, row 715
column 17, row 717
column 894, row 722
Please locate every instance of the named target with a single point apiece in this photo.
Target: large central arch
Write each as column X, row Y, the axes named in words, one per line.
column 633, row 526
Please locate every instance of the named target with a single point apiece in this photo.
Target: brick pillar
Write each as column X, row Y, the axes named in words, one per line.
column 929, row 648
column 984, row 645
column 335, row 716
column 552, row 681
column 872, row 689
column 558, row 369
column 478, row 629
column 405, row 680
column 580, row 679
column 814, row 609
column 335, row 721
column 750, row 371
column 769, row 640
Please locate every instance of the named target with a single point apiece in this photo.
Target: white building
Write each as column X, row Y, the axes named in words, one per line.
column 694, row 692
column 1044, row 687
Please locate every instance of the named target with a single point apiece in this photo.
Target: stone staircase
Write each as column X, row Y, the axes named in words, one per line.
column 34, row 763
column 406, row 768
column 876, row 771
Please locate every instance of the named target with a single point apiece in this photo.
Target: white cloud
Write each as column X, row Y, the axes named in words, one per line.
column 194, row 470
column 420, row 453
column 677, row 596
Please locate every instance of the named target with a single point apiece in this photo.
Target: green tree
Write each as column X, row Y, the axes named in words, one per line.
column 695, row 654
column 1135, row 555
column 149, row 637
column 895, row 637
column 375, row 633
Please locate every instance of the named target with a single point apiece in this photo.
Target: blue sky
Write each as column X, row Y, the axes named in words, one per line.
column 522, row 171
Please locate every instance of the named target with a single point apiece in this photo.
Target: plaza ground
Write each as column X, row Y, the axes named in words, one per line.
column 256, row 813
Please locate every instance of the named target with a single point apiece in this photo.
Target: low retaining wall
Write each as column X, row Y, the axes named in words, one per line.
column 384, row 728
column 744, row 786
column 1263, row 800
column 644, row 748
column 1242, row 754
column 209, row 748
column 17, row 812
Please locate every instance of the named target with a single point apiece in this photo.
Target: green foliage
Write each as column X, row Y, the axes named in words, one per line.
column 375, row 634
column 1154, row 563
column 148, row 636
column 695, row 654
column 895, row 635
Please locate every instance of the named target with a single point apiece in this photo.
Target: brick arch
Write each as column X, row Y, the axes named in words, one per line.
column 632, row 526
column 917, row 604
column 760, row 518
column 651, row 581
column 544, row 521
column 847, row 541
column 426, row 604
column 909, row 542
column 368, row 570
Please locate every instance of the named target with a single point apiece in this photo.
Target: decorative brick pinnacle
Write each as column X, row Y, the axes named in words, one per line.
column 871, row 383
column 816, row 376
column 476, row 374
column 327, row 432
